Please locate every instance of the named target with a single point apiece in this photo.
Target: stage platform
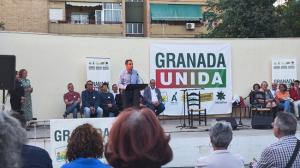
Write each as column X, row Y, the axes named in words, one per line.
column 189, row 144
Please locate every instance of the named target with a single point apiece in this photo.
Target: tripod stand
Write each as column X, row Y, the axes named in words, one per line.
column 183, row 125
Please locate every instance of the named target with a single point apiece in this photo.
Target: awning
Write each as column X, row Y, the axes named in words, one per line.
column 175, row 12
column 84, row 4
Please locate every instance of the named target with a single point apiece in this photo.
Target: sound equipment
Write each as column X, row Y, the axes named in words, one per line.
column 7, row 72
column 231, row 120
column 261, row 121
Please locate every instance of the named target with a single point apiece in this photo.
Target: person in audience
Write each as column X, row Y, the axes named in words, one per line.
column 12, row 137
column 119, row 102
column 114, row 89
column 85, row 148
column 220, row 137
column 72, row 101
column 252, row 94
column 32, row 156
column 108, row 102
column 274, row 89
column 269, row 99
column 153, row 99
column 128, row 76
column 280, row 153
column 295, row 95
column 136, row 140
column 283, row 98
column 17, row 95
column 27, row 105
column 90, row 101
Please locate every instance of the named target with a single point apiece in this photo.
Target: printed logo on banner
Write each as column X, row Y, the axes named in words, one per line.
column 204, row 68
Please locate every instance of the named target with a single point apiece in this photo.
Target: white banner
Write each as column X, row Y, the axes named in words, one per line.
column 98, row 70
column 61, row 130
column 284, row 70
column 204, row 67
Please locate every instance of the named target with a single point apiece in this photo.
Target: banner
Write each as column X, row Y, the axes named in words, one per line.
column 284, row 70
column 98, row 70
column 198, row 67
column 61, row 130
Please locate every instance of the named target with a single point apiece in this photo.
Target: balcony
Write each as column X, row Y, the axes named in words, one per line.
column 169, row 30
column 95, row 29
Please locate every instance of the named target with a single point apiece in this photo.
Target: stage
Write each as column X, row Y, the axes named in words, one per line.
column 188, row 144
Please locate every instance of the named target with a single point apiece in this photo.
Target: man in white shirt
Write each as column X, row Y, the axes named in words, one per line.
column 153, row 99
column 220, row 137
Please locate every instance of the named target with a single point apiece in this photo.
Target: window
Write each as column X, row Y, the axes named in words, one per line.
column 134, row 0
column 98, row 16
column 134, row 28
column 55, row 14
column 112, row 13
column 79, row 18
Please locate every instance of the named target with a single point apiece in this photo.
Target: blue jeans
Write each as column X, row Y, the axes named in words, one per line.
column 87, row 112
column 286, row 105
column 73, row 108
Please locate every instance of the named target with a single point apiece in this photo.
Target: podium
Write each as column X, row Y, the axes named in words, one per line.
column 131, row 95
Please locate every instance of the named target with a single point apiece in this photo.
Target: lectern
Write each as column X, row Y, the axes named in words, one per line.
column 131, row 95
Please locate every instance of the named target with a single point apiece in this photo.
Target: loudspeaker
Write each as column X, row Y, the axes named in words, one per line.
column 261, row 122
column 231, row 120
column 7, row 71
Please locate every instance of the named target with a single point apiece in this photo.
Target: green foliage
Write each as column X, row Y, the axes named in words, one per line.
column 289, row 14
column 242, row 18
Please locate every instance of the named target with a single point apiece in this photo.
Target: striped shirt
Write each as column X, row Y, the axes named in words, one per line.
column 278, row 154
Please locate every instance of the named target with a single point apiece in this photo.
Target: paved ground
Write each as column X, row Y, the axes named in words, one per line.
column 188, row 144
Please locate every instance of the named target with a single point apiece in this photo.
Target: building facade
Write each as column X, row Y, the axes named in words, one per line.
column 143, row 18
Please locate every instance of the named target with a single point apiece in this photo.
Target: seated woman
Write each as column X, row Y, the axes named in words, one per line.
column 256, row 88
column 283, row 98
column 137, row 140
column 269, row 99
column 85, row 147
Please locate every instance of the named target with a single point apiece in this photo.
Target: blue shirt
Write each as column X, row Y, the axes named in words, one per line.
column 35, row 157
column 127, row 78
column 85, row 163
column 90, row 99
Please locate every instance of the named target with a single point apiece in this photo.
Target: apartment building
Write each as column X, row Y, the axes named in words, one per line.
column 144, row 18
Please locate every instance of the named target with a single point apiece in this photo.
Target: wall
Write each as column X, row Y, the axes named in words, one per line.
column 52, row 61
column 24, row 15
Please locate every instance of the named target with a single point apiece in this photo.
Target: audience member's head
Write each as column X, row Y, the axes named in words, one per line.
column 284, row 124
column 282, row 87
column 115, row 88
column 12, row 137
column 256, row 87
column 129, row 64
column 70, row 87
column 274, row 86
column 137, row 140
column 23, row 73
column 296, row 83
column 85, row 142
column 104, row 87
column 264, row 85
column 89, row 85
column 220, row 135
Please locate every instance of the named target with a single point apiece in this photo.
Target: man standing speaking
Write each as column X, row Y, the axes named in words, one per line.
column 129, row 76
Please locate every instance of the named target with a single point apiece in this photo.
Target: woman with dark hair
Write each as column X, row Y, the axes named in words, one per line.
column 137, row 140
column 27, row 105
column 283, row 98
column 85, row 147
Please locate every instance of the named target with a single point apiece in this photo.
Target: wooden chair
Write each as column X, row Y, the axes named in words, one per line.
column 194, row 106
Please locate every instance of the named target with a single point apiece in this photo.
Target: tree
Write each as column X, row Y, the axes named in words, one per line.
column 243, row 18
column 289, row 14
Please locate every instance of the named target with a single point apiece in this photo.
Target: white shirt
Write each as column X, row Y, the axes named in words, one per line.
column 153, row 95
column 220, row 159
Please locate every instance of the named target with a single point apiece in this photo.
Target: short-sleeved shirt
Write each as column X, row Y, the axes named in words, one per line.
column 72, row 96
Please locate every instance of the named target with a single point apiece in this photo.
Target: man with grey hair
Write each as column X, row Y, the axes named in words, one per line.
column 220, row 137
column 284, row 152
column 12, row 137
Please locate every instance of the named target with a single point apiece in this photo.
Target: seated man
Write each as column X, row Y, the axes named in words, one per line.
column 114, row 88
column 220, row 137
column 153, row 99
column 118, row 99
column 90, row 101
column 72, row 101
column 108, row 102
column 295, row 95
column 280, row 153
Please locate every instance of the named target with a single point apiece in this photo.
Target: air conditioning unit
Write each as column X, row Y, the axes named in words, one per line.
column 190, row 26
